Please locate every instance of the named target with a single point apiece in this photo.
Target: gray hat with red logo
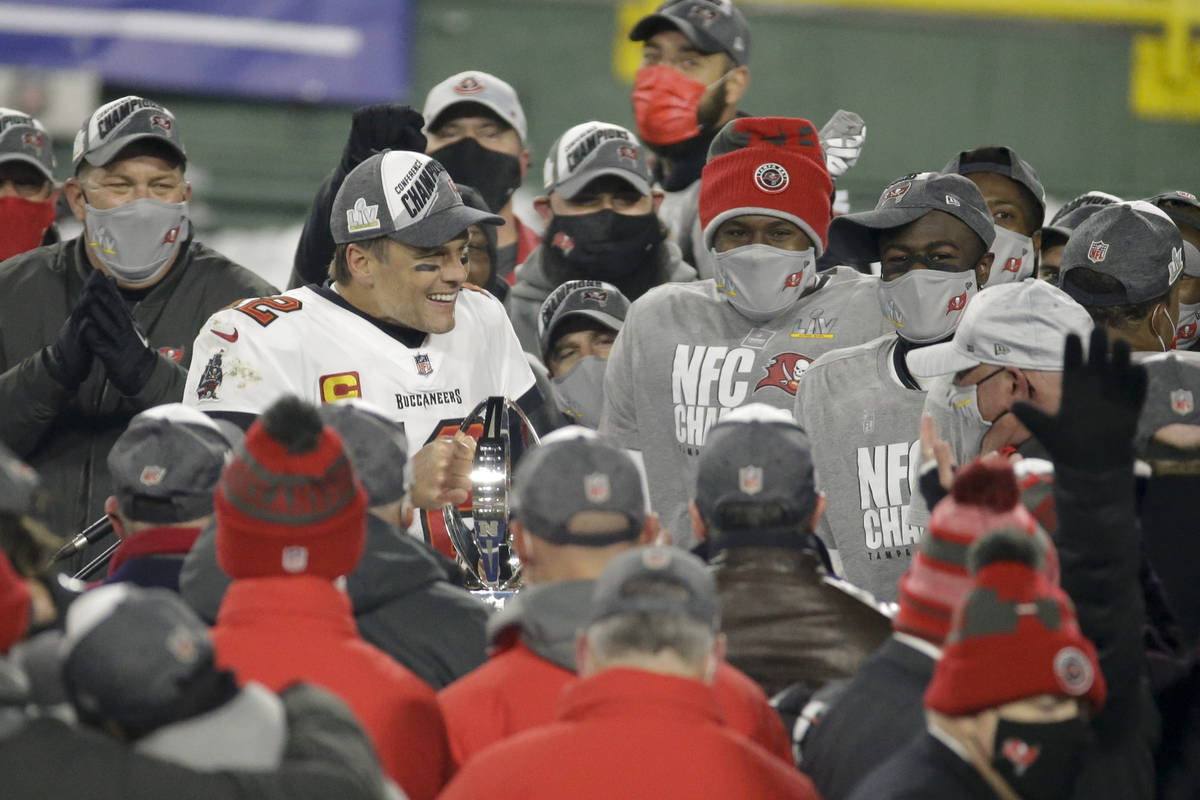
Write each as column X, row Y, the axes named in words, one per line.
column 1172, row 394
column 590, row 150
column 574, row 471
column 23, row 138
column 593, row 299
column 478, row 87
column 1001, row 161
column 622, row 587
column 756, row 456
column 166, row 464
column 712, row 26
column 1134, row 243
column 905, row 200
column 114, row 125
column 408, row 197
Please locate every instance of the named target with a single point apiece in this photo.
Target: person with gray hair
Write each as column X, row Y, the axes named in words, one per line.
column 404, row 602
column 577, row 504
column 648, row 656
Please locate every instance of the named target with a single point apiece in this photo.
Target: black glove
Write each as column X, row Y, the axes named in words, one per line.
column 68, row 359
column 386, row 126
column 1101, row 401
column 115, row 338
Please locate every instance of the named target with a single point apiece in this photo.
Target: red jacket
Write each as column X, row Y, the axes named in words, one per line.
column 527, row 241
column 630, row 734
column 517, row 689
column 300, row 628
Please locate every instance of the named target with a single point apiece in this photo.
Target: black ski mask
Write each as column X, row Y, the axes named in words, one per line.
column 494, row 175
column 1040, row 760
column 604, row 245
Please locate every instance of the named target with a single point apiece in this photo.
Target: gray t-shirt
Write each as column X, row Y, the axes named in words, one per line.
column 864, row 425
column 685, row 357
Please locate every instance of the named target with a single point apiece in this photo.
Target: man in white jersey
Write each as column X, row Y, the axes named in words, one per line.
column 397, row 325
column 861, row 406
column 689, row 353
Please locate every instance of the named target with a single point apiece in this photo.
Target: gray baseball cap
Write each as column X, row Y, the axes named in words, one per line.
column 1059, row 231
column 756, row 456
column 405, row 196
column 376, row 445
column 712, row 26
column 1175, row 197
column 590, row 150
column 114, row 125
column 130, row 655
column 166, row 464
column 1001, row 161
column 1022, row 324
column 20, row 486
column 1191, row 260
column 571, row 472
column 1172, row 395
column 616, row 592
column 1133, row 242
column 474, row 86
column 593, row 299
column 23, row 138
column 856, row 236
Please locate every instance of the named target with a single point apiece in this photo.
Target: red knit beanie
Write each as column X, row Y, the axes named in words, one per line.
column 984, row 497
column 767, row 165
column 14, row 605
column 1015, row 636
column 289, row 502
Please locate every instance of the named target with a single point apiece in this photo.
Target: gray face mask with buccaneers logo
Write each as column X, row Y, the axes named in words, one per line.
column 925, row 305
column 580, row 393
column 137, row 241
column 762, row 281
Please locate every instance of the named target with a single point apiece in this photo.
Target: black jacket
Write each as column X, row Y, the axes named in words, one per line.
column 67, row 436
column 327, row 755
column 315, row 249
column 924, row 770
column 881, row 709
column 403, row 603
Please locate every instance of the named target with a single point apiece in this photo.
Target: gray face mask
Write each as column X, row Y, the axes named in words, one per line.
column 1012, row 257
column 136, row 241
column 580, row 393
column 1185, row 332
column 761, row 281
column 924, row 304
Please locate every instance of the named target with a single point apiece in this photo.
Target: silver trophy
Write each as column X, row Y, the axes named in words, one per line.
column 485, row 547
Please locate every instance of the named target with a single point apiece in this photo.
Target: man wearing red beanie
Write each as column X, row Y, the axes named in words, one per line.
column 690, row 353
column 1008, row 705
column 291, row 519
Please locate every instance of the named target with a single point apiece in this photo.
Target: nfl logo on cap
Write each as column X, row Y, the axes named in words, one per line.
column 152, row 475
column 294, row 559
column 597, row 487
column 750, row 480
column 1098, row 251
column 1181, row 402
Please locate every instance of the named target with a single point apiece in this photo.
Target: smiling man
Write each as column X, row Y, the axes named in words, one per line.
column 397, row 325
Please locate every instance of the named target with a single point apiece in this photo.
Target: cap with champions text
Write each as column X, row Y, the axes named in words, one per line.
column 1023, row 324
column 1134, row 243
column 712, row 26
column 572, row 472
column 1172, row 392
column 478, row 87
column 905, row 200
column 23, row 138
column 408, row 197
column 1004, row 161
column 593, row 149
column 166, row 464
column 756, row 456
column 616, row 592
column 114, row 125
column 593, row 299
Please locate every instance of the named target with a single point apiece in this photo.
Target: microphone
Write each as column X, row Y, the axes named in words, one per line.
column 90, row 535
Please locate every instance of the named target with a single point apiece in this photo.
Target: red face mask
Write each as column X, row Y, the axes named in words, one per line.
column 23, row 223
column 665, row 105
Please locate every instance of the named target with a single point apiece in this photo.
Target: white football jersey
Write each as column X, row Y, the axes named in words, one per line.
column 313, row 344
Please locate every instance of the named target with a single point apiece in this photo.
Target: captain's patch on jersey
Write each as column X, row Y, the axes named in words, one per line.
column 340, row 386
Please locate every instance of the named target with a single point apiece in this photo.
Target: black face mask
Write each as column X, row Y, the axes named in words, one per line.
column 603, row 245
column 1040, row 760
column 494, row 175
